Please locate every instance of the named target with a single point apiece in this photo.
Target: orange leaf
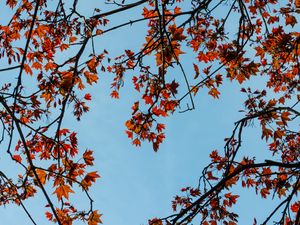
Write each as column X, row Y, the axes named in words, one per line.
column 63, row 47
column 136, row 142
column 264, row 192
column 50, row 66
column 24, row 120
column 177, row 10
column 93, row 176
column 41, row 175
column 214, row 92
column 94, row 218
column 91, row 77
column 27, row 69
column 63, row 191
column 266, row 133
column 99, row 32
column 92, row 64
column 290, row 20
column 285, row 117
column 37, row 65
column 72, row 39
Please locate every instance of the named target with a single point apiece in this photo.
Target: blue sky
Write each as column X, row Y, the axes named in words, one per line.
column 138, row 184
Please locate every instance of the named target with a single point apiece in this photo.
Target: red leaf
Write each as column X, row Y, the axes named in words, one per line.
column 17, row 158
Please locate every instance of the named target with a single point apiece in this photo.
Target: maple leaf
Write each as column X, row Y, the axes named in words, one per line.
column 24, row 120
column 17, row 158
column 67, row 80
column 130, row 64
column 28, row 69
column 63, row 47
column 290, row 20
column 37, row 66
column 42, row 175
column 91, row 77
column 129, row 134
column 177, row 10
column 266, row 133
column 50, row 66
column 177, row 33
column 92, row 64
column 160, row 127
column 99, row 32
column 11, row 3
column 136, row 142
column 232, row 198
column 158, row 112
column 72, row 39
column 159, row 60
column 92, row 176
column 156, row 221
column 148, row 99
column 63, row 191
column 88, row 97
column 94, row 218
column 285, row 117
column 264, row 192
column 88, row 158
column 49, row 216
column 135, row 108
column 295, row 207
column 89, row 179
column 148, row 13
column 114, row 94
column 214, row 92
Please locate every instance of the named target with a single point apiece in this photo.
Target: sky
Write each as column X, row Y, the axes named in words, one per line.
column 138, row 184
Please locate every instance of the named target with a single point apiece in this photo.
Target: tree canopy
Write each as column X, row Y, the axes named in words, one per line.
column 50, row 56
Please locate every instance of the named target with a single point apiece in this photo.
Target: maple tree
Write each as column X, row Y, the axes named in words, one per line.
column 264, row 42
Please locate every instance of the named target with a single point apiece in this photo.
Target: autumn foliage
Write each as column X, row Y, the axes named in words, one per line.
column 235, row 41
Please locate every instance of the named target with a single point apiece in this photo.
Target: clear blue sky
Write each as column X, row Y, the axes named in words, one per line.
column 138, row 184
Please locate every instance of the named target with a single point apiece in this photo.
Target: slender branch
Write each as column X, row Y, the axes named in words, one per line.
column 126, row 7
column 10, row 68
